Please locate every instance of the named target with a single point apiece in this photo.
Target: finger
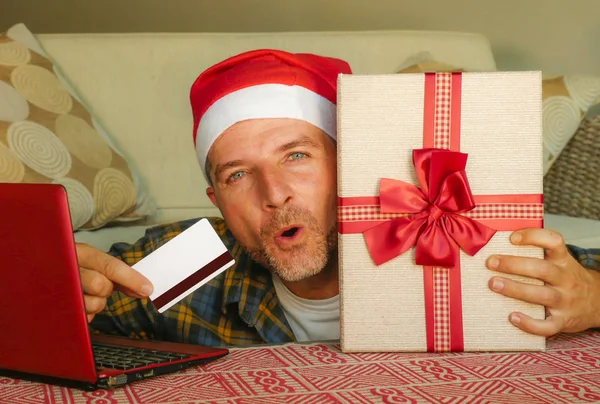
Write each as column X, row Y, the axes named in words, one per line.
column 94, row 283
column 115, row 270
column 129, row 292
column 94, row 304
column 535, row 268
column 536, row 294
column 550, row 240
column 546, row 328
column 90, row 317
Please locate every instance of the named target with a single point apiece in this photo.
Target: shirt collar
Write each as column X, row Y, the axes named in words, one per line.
column 248, row 288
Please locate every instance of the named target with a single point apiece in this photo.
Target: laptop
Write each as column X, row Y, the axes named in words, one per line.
column 45, row 335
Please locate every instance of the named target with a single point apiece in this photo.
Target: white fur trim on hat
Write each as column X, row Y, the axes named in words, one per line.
column 263, row 101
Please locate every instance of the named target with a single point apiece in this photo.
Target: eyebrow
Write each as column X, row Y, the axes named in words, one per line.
column 222, row 167
column 303, row 141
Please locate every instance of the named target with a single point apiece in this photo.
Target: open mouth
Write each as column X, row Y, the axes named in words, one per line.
column 289, row 232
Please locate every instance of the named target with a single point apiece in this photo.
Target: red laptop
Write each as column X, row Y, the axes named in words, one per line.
column 45, row 335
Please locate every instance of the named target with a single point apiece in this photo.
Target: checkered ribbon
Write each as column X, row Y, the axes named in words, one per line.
column 482, row 212
column 441, row 310
column 441, row 277
column 442, row 117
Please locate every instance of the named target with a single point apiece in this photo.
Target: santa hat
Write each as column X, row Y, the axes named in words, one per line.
column 264, row 84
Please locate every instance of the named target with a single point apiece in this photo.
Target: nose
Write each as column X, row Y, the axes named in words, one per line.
column 275, row 189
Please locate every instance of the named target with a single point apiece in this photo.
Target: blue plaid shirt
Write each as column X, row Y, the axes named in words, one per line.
column 237, row 307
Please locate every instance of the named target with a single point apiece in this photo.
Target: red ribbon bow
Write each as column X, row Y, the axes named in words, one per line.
column 435, row 224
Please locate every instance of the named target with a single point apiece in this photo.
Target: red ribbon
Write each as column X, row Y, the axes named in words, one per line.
column 435, row 224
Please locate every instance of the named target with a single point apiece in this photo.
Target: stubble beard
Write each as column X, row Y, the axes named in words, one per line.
column 299, row 261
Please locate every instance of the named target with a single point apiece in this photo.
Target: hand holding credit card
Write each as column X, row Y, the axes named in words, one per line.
column 184, row 264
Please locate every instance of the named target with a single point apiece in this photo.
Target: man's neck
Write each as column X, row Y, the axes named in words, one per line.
column 323, row 285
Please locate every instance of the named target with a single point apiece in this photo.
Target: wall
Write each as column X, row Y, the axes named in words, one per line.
column 557, row 36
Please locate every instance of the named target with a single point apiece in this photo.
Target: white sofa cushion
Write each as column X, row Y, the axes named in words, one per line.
column 138, row 85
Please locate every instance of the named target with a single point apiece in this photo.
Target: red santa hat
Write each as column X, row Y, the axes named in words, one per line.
column 264, row 84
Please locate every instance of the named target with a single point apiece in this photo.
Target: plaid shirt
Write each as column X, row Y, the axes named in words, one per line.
column 238, row 307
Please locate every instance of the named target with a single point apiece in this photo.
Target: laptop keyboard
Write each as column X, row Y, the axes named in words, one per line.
column 124, row 358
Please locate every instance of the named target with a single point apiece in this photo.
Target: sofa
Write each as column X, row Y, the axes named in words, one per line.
column 135, row 88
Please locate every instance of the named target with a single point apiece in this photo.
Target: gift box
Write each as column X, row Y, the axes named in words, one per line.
column 435, row 171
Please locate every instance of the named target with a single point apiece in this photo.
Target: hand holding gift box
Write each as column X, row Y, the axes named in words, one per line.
column 450, row 164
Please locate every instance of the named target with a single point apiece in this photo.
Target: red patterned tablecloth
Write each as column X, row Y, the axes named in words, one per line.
column 568, row 372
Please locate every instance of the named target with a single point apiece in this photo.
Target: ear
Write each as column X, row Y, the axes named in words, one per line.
column 210, row 192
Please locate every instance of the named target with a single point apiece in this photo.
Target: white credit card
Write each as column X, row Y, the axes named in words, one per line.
column 184, row 264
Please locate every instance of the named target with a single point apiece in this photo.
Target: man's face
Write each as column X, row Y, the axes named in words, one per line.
column 274, row 181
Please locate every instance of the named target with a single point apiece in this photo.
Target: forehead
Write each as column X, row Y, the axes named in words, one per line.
column 259, row 136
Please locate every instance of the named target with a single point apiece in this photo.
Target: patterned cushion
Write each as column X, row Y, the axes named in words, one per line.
column 423, row 62
column 566, row 100
column 571, row 185
column 47, row 135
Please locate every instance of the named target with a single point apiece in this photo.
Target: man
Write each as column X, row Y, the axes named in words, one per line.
column 264, row 130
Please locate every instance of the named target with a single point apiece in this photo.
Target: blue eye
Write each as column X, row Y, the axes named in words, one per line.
column 236, row 176
column 297, row 156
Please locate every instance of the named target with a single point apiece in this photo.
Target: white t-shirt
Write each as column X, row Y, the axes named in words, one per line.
column 311, row 320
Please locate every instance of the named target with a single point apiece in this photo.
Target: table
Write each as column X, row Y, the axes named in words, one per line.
column 567, row 372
